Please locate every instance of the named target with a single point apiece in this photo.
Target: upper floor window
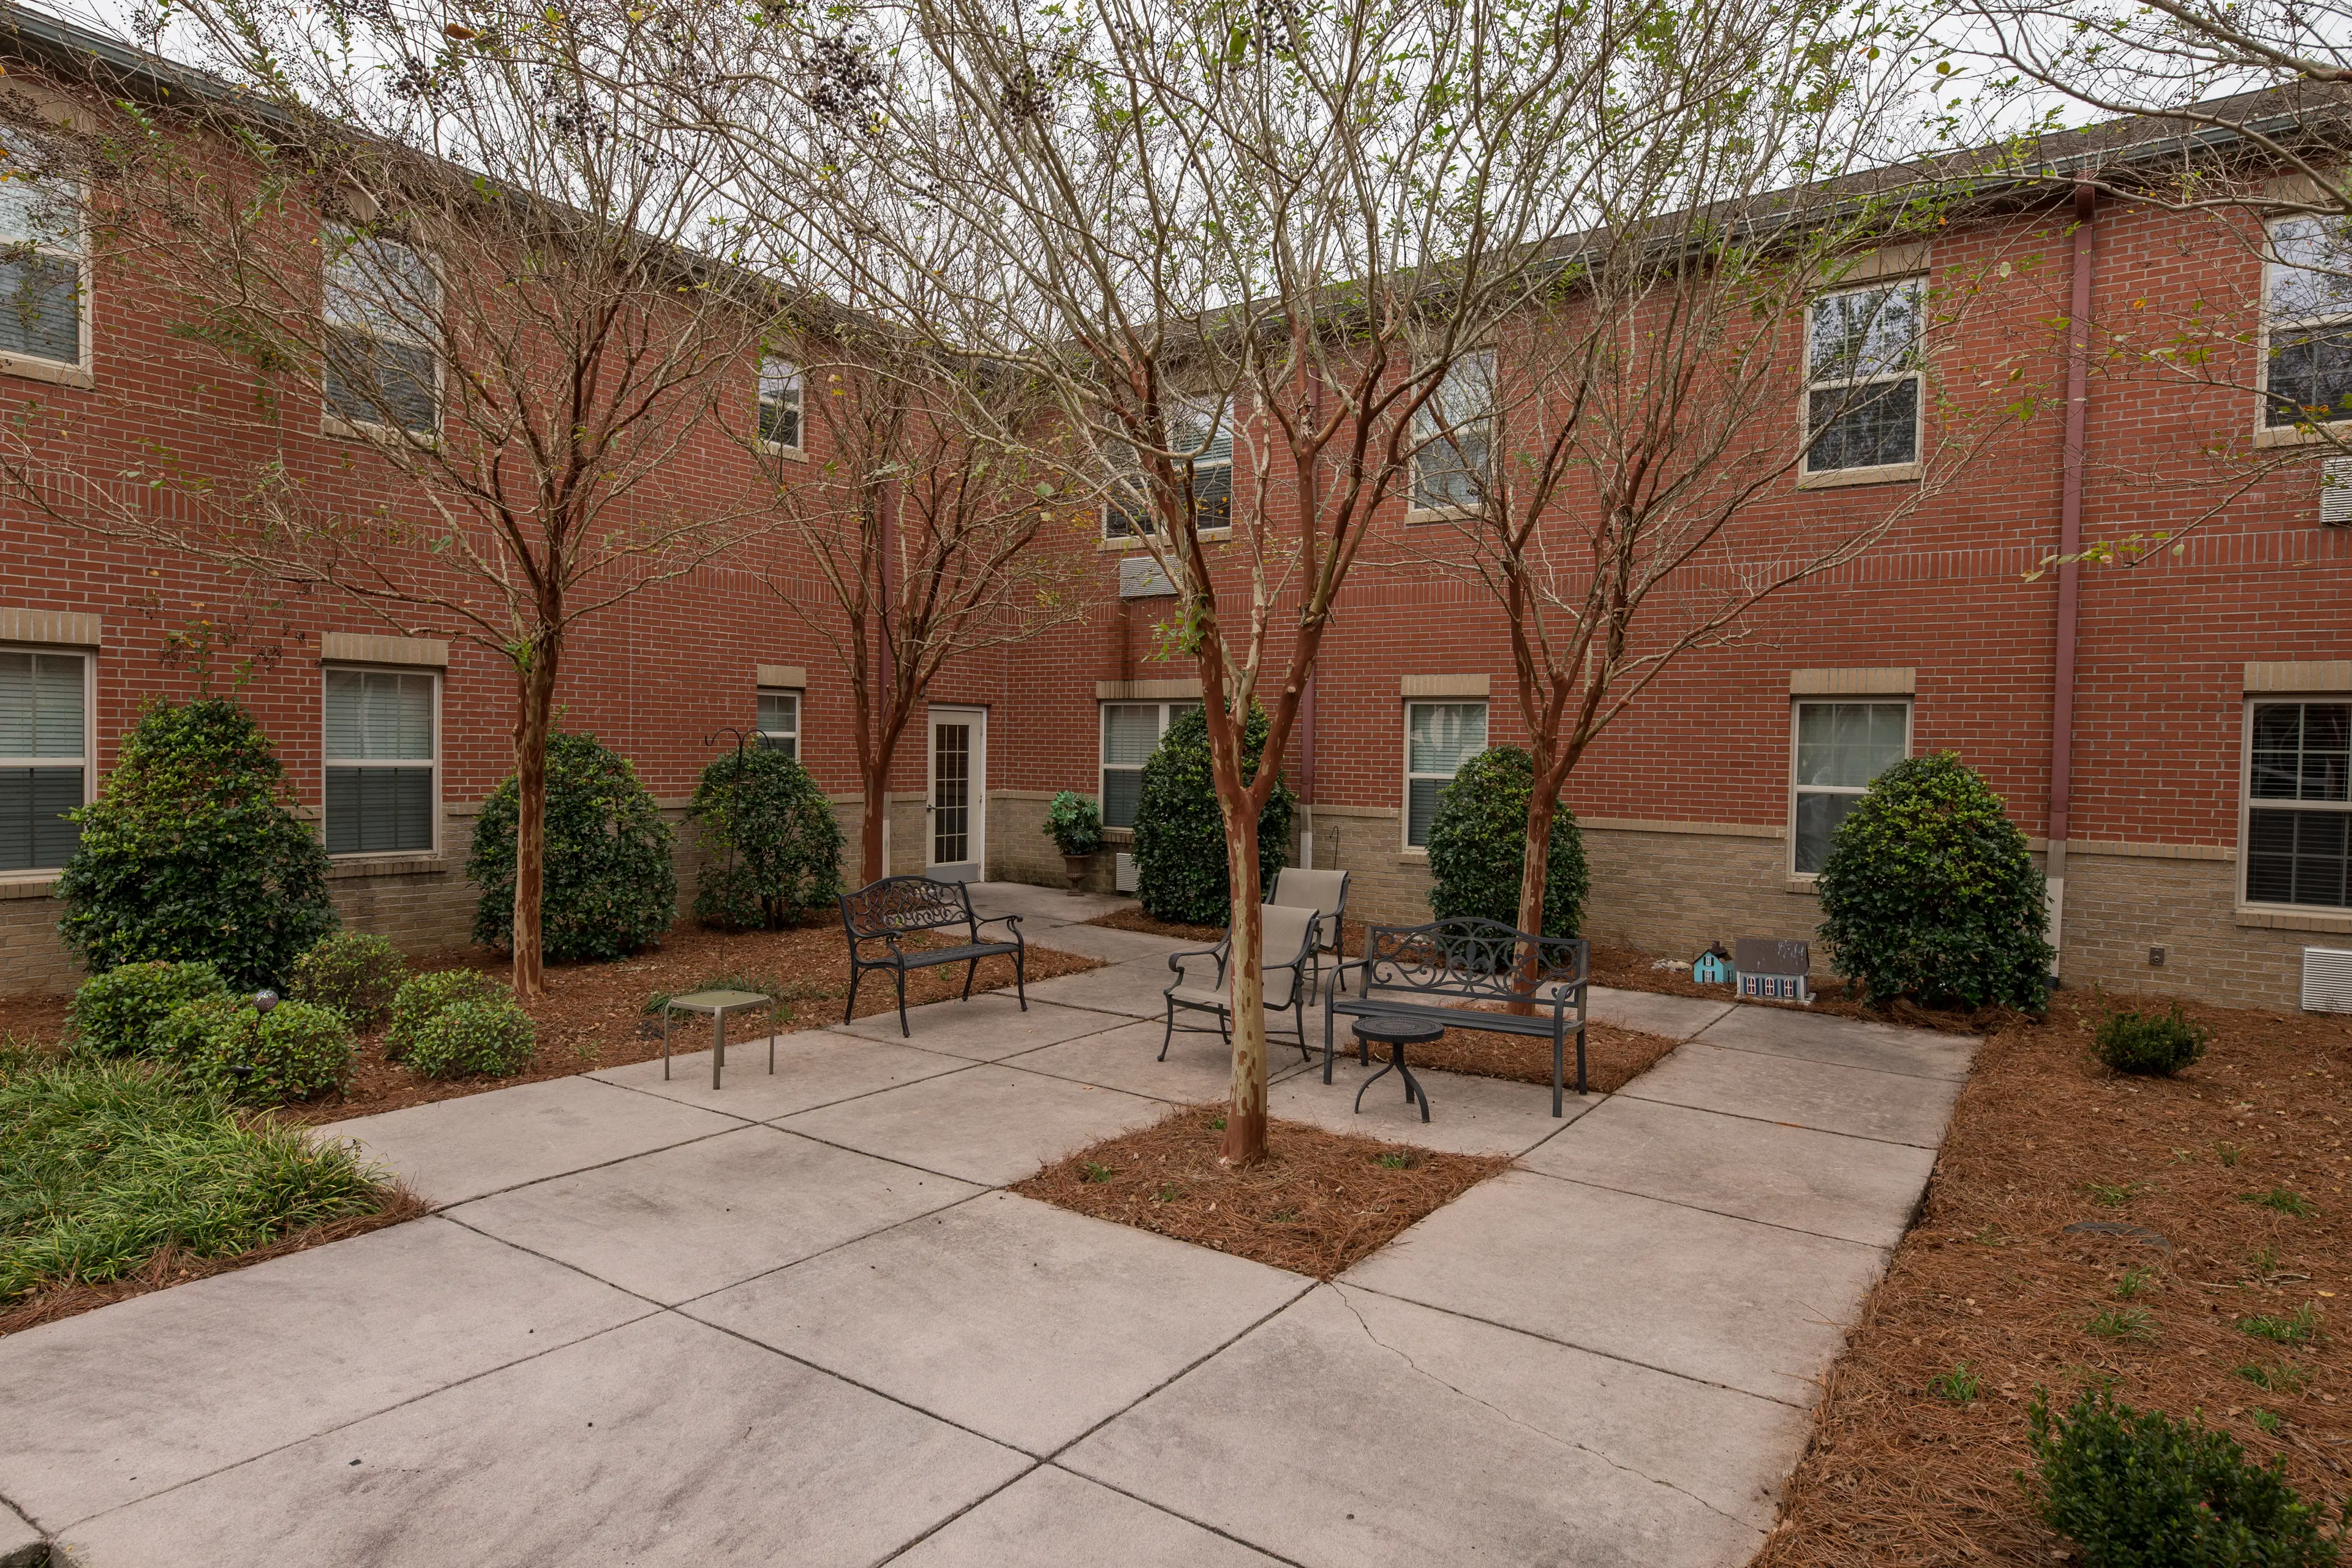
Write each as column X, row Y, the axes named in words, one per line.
column 780, row 405
column 44, row 757
column 2299, row 805
column 1439, row 737
column 2307, row 321
column 1862, row 380
column 1130, row 733
column 383, row 359
column 1454, row 437
column 1840, row 748
column 42, row 282
column 382, row 763
column 1201, row 437
column 779, row 725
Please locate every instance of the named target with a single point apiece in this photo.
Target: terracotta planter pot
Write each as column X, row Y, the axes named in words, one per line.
column 1077, row 865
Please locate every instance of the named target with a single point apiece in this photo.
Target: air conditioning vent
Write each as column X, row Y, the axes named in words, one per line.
column 1122, row 876
column 2336, row 492
column 2327, row 979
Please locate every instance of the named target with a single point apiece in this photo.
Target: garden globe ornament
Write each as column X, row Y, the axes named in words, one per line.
column 264, row 1000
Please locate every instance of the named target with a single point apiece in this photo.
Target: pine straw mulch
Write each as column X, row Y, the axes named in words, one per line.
column 2044, row 1137
column 1318, row 1202
column 170, row 1265
column 1136, row 920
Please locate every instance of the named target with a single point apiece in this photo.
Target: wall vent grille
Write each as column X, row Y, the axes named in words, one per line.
column 2327, row 979
column 2336, row 492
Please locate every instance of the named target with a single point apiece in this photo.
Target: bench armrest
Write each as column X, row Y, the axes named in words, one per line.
column 1012, row 922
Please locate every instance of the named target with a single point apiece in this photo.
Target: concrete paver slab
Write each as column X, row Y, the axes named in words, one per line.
column 814, row 1067
column 1320, row 1444
column 1652, row 1013
column 1024, row 1323
column 987, row 1124
column 664, row 1442
column 1898, row 1106
column 1467, row 1115
column 1846, row 1042
column 1039, row 906
column 1052, row 1519
column 1133, row 988
column 981, row 1029
column 22, row 1546
column 1731, row 1301
column 1859, row 1189
column 1199, row 1067
column 683, row 1222
column 132, row 1399
column 457, row 1149
column 1111, row 943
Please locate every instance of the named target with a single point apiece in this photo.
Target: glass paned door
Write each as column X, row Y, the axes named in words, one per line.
column 959, row 777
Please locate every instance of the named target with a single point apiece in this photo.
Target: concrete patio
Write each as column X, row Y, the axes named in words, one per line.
column 797, row 1319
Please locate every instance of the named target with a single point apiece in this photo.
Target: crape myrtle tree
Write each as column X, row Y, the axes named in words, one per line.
column 469, row 239
column 1236, row 245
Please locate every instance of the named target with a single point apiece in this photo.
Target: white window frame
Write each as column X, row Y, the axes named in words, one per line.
column 1404, row 803
column 1809, row 477
column 782, row 368
column 1797, row 706
column 1428, row 435
column 333, row 420
column 87, row 762
column 440, row 745
column 2265, row 433
column 1103, row 764
column 2246, row 802
column 800, row 719
column 1225, row 418
column 37, row 367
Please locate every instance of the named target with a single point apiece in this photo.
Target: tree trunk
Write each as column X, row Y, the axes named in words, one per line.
column 536, row 708
column 876, row 812
column 1536, row 861
column 1246, row 1117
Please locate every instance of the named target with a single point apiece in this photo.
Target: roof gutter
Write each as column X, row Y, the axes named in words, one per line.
column 2070, row 570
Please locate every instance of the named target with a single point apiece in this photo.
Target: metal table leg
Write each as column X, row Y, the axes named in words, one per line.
column 717, row 1044
column 666, row 1018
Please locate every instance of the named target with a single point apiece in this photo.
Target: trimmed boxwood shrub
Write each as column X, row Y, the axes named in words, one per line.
column 2136, row 1490
column 1477, row 845
column 356, row 972
column 2161, row 1043
column 770, row 845
column 116, row 1011
column 194, row 851
column 1928, row 892
column 227, row 1045
column 417, row 1001
column 609, row 887
column 489, row 1034
column 1180, row 836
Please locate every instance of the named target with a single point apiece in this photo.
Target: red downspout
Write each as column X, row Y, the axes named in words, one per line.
column 2070, row 570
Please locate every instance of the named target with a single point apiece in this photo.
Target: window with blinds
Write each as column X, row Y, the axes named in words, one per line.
column 1439, row 737
column 42, row 283
column 380, row 762
column 1130, row 733
column 44, row 758
column 1840, row 748
column 779, row 721
column 2298, row 846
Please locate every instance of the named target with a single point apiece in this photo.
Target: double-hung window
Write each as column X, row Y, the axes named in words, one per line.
column 1200, row 438
column 1840, row 748
column 2307, row 323
column 779, row 725
column 383, row 356
column 44, row 756
column 1454, row 437
column 2299, row 805
column 1130, row 733
column 1863, row 378
column 781, row 404
column 381, row 761
column 43, row 280
column 1439, row 737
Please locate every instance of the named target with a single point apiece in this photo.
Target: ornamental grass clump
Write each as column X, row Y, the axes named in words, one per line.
column 609, row 887
column 2158, row 1043
column 2135, row 1489
column 1929, row 893
column 488, row 1036
column 1181, row 873
column 358, row 973
column 225, row 1046
column 1477, row 847
column 770, row 845
column 116, row 1013
column 194, row 851
column 417, row 1001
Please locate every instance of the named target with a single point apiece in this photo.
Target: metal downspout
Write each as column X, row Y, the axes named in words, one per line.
column 2070, row 570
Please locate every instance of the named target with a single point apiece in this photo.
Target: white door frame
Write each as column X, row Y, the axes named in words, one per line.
column 976, row 787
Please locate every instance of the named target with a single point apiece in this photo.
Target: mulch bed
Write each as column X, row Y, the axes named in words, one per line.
column 1318, row 1202
column 2044, row 1137
column 1136, row 920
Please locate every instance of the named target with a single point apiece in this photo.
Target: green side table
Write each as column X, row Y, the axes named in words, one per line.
column 719, row 1004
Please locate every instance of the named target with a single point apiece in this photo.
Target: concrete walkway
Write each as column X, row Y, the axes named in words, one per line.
column 798, row 1321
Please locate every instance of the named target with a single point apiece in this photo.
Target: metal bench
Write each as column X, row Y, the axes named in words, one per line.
column 1442, row 973
column 886, row 911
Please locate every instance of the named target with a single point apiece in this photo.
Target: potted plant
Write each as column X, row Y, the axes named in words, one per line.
column 1075, row 824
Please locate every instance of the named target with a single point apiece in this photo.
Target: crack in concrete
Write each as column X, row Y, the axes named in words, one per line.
column 1551, row 1437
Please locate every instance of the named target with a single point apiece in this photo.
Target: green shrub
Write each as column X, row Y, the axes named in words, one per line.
column 491, row 1035
column 1477, row 846
column 1928, row 892
column 609, row 887
column 102, row 1164
column 194, row 851
column 770, row 846
column 416, row 1002
column 2158, row 1043
column 226, row 1044
column 116, row 1011
column 2136, row 1490
column 1075, row 824
column 356, row 972
column 1180, row 836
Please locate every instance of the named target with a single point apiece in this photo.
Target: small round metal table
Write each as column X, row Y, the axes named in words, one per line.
column 1396, row 1034
column 718, row 1003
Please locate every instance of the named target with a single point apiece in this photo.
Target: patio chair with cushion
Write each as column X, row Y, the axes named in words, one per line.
column 1286, row 948
column 1325, row 892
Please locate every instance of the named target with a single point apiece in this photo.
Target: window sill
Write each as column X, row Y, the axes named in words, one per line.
column 27, row 368
column 1884, row 474
column 2276, row 918
column 27, row 884
column 1208, row 536
column 409, row 863
column 788, row 453
column 336, row 426
column 1808, row 886
column 1419, row 514
column 2333, row 433
column 1119, row 838
column 1412, row 857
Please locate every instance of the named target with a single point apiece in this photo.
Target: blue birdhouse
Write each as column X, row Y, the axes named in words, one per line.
column 1712, row 967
